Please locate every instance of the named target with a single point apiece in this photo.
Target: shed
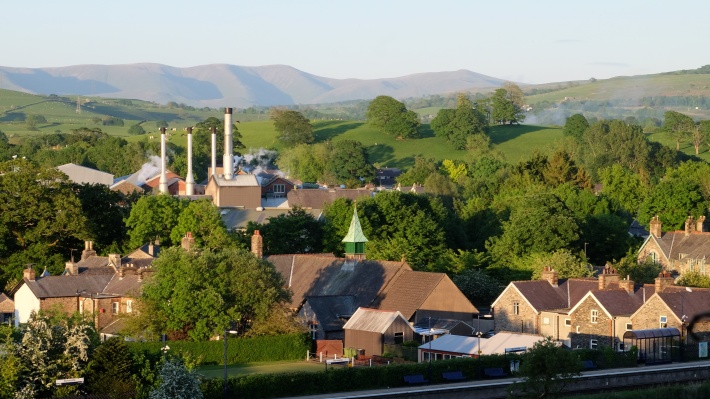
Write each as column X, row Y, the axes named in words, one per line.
column 371, row 329
column 450, row 346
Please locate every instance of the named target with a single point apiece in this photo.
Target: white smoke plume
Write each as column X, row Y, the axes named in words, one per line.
column 256, row 161
column 149, row 169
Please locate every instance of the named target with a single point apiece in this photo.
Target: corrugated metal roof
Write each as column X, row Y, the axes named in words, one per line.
column 489, row 346
column 373, row 320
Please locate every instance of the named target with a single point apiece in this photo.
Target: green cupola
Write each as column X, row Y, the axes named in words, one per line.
column 355, row 239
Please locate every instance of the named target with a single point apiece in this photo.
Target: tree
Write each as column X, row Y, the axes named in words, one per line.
column 203, row 220
column 105, row 211
column 177, row 382
column 304, row 162
column 348, row 162
column 694, row 279
column 644, row 272
column 32, row 120
column 515, row 95
column 110, row 369
column 392, row 117
column 422, row 168
column 40, row 217
column 456, row 126
column 202, row 144
column 295, row 232
column 136, row 130
column 699, row 136
column 566, row 264
column 479, row 287
column 196, row 295
column 292, row 126
column 161, row 123
column 677, row 126
column 546, row 369
column 153, row 217
column 575, row 126
column 505, row 110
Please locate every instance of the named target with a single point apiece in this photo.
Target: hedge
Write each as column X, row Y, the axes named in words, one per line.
column 239, row 350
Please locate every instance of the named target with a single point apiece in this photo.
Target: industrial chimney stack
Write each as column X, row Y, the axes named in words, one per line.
column 163, row 187
column 228, row 156
column 189, row 179
column 214, row 150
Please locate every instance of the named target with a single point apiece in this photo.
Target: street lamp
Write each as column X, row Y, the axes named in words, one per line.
column 227, row 331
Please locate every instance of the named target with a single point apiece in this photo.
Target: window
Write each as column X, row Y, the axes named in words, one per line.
column 654, row 257
column 115, row 306
column 568, row 322
column 81, row 306
column 545, row 320
column 314, row 330
column 516, row 308
column 691, row 265
column 279, row 188
column 662, row 322
column 594, row 316
column 129, row 306
column 578, row 329
column 593, row 343
column 620, row 347
column 629, row 327
column 399, row 337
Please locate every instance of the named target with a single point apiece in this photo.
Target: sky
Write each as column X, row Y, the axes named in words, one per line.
column 521, row 41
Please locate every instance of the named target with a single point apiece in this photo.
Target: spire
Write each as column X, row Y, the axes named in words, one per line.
column 355, row 239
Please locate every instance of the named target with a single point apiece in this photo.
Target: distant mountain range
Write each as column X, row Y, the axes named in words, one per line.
column 221, row 85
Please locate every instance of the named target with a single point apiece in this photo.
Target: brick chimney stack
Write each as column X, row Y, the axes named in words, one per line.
column 627, row 284
column 71, row 268
column 654, row 227
column 663, row 281
column 29, row 273
column 188, row 241
column 689, row 225
column 549, row 274
column 257, row 244
column 607, row 277
column 700, row 224
column 88, row 250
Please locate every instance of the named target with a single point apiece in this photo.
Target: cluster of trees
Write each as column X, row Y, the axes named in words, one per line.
column 53, row 346
column 341, row 162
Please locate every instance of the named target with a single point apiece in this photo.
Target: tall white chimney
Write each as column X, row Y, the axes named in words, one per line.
column 214, row 150
column 163, row 186
column 228, row 156
column 189, row 179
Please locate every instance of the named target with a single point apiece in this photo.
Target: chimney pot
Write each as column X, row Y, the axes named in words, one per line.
column 29, row 273
column 257, row 244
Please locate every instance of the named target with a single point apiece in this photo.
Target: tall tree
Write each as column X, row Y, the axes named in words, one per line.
column 203, row 220
column 292, row 126
column 546, row 369
column 295, row 232
column 177, row 382
column 677, row 126
column 348, row 161
column 392, row 117
column 154, row 217
column 505, row 110
column 109, row 370
column 575, row 126
column 456, row 126
column 197, row 294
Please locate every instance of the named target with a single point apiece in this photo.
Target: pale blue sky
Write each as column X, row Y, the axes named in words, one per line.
column 523, row 41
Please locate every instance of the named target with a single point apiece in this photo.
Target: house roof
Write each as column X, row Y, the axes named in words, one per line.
column 128, row 285
column 67, row 285
column 238, row 218
column 322, row 275
column 373, row 320
column 541, row 295
column 615, row 302
column 678, row 244
column 438, row 326
column 408, row 291
column 489, row 346
column 81, row 174
column 237, row 181
column 7, row 305
column 688, row 303
column 318, row 198
column 332, row 311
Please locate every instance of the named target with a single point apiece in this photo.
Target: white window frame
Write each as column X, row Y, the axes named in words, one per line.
column 115, row 307
column 629, row 326
column 545, row 320
column 579, row 328
column 129, row 306
column 663, row 322
column 279, row 188
column 568, row 322
column 516, row 308
column 594, row 316
column 593, row 344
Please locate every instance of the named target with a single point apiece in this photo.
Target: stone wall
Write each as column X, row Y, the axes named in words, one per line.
column 506, row 320
column 602, row 330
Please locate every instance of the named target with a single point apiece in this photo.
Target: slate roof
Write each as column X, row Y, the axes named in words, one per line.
column 682, row 302
column 425, row 324
column 317, row 198
column 318, row 275
column 373, row 320
column 544, row 296
column 236, row 218
column 695, row 245
column 332, row 311
column 408, row 291
column 129, row 285
column 618, row 302
column 68, row 285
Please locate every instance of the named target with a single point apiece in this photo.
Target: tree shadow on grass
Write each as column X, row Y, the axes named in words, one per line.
column 382, row 154
column 328, row 130
column 501, row 134
column 425, row 131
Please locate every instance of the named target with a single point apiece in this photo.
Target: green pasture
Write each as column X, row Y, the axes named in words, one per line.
column 233, row 370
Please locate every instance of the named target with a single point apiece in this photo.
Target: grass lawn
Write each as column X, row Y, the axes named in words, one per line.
column 217, row 371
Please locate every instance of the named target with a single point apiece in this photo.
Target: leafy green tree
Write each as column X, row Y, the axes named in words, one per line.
column 422, row 168
column 52, row 348
column 161, row 123
column 565, row 263
column 109, row 371
column 348, row 162
column 623, row 186
column 677, row 126
column 644, row 272
column 105, row 211
column 541, row 223
column 154, row 216
column 136, row 130
column 504, row 109
column 296, row 232
column 694, row 279
column 196, row 295
column 698, row 136
column 32, row 120
column 546, row 370
column 177, row 382
column 292, row 126
column 10, row 363
column 392, row 117
column 40, row 216
column 478, row 286
column 575, row 126
column 438, row 184
column 456, row 126
column 304, row 162
column 615, row 142
column 203, row 220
